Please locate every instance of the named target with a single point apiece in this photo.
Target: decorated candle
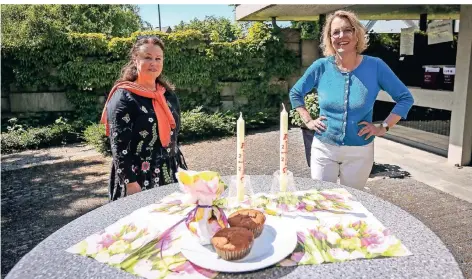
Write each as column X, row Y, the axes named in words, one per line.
column 283, row 149
column 240, row 158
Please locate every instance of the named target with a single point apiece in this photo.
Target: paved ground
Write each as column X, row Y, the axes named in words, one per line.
column 54, row 155
column 433, row 170
column 38, row 200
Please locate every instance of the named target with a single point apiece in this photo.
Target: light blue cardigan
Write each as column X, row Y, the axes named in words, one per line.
column 346, row 99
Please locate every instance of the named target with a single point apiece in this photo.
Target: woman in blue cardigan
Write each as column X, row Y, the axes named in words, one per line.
column 347, row 84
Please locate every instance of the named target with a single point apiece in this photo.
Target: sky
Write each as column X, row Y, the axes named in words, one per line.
column 171, row 15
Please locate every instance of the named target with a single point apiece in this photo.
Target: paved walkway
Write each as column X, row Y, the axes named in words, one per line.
column 46, row 156
column 426, row 167
column 44, row 190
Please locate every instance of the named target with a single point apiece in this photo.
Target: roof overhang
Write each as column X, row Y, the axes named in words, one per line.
column 367, row 12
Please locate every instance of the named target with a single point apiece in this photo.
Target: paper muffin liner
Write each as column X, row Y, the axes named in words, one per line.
column 233, row 255
column 257, row 231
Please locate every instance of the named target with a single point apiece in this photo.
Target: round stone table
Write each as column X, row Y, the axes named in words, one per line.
column 430, row 259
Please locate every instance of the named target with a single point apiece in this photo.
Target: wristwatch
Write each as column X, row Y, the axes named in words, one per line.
column 385, row 125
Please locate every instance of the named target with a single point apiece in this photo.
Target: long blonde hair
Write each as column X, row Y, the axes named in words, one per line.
column 359, row 32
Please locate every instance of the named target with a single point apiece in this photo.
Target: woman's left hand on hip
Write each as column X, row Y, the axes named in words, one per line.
column 371, row 130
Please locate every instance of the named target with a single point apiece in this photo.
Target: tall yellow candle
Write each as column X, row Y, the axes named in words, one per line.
column 240, row 158
column 283, row 149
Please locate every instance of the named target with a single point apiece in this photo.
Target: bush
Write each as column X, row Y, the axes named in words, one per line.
column 257, row 119
column 311, row 104
column 58, row 133
column 196, row 125
column 95, row 136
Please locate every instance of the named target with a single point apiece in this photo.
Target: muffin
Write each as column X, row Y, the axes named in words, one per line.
column 233, row 243
column 250, row 219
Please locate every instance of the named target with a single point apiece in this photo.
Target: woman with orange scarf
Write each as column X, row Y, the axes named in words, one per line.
column 142, row 120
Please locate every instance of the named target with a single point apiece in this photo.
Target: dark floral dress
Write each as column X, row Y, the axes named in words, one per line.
column 138, row 155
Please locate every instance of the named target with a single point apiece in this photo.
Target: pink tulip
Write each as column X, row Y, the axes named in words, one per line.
column 372, row 240
column 371, row 233
column 365, row 242
column 186, row 267
column 205, row 272
column 356, row 224
column 297, row 256
column 349, row 232
column 283, row 207
column 318, row 235
column 301, row 206
column 167, row 239
column 301, row 237
column 333, row 196
column 107, row 241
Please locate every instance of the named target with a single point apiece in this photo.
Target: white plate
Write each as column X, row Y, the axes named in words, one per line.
column 277, row 241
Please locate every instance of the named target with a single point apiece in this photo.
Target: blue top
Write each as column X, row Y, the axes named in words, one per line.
column 346, row 99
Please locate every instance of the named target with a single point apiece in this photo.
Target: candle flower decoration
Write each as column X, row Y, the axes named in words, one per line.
column 203, row 189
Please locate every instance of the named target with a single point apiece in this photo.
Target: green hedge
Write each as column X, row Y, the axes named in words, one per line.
column 95, row 136
column 19, row 138
column 196, row 125
column 88, row 64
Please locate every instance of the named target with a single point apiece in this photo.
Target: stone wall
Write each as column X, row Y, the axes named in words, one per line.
column 307, row 51
column 40, row 101
column 19, row 102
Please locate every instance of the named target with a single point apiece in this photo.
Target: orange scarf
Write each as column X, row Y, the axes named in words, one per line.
column 165, row 119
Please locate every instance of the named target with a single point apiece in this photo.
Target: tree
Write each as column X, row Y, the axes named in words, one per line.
column 309, row 29
column 34, row 23
column 113, row 20
column 215, row 29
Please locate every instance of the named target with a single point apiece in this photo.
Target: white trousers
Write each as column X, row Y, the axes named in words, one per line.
column 352, row 164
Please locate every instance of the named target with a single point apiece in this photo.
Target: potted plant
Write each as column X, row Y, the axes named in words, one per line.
column 311, row 104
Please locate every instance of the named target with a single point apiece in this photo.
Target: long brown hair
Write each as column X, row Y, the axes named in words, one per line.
column 130, row 73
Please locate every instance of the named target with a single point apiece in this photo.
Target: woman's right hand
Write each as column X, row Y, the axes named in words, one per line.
column 317, row 125
column 132, row 188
